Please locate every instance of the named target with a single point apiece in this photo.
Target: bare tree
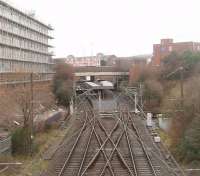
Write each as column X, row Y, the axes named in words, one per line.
column 63, row 85
column 21, row 103
column 8, row 109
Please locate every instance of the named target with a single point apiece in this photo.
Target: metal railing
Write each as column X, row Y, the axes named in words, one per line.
column 5, row 145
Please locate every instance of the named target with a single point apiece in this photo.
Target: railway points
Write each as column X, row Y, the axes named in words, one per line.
column 111, row 143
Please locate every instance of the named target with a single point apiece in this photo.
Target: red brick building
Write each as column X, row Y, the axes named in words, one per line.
column 167, row 46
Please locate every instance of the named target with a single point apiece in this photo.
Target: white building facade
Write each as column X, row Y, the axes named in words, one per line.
column 83, row 61
column 24, row 42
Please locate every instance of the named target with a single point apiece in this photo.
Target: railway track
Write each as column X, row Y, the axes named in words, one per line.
column 158, row 150
column 108, row 144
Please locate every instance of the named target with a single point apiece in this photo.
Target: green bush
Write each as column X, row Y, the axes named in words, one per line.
column 19, row 141
column 186, row 152
column 188, row 60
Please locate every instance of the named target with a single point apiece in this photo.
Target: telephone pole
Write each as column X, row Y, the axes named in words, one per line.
column 31, row 113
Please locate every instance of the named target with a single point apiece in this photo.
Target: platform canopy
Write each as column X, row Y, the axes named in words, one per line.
column 100, row 85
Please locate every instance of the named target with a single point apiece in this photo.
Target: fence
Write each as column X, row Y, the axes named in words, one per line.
column 17, row 78
column 5, row 145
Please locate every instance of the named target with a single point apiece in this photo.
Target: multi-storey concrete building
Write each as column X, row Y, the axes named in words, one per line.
column 23, row 42
column 166, row 46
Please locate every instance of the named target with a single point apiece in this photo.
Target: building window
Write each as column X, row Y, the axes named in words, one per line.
column 170, row 49
column 162, row 49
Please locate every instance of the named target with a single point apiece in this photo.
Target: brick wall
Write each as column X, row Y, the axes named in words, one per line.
column 166, row 46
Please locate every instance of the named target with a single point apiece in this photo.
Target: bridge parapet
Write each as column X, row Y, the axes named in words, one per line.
column 99, row 69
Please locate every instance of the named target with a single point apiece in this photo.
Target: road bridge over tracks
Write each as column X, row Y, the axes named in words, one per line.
column 102, row 73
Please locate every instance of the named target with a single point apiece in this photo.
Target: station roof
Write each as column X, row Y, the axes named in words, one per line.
column 101, row 85
column 93, row 85
column 106, row 83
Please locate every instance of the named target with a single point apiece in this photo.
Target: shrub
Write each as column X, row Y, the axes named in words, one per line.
column 185, row 129
column 19, row 141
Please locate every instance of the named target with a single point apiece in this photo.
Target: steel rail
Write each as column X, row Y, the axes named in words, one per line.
column 103, row 144
column 85, row 152
column 144, row 115
column 164, row 162
column 145, row 144
column 76, row 142
column 111, row 155
column 99, row 142
column 158, row 157
column 129, row 146
column 72, row 150
column 118, row 152
column 126, row 133
column 170, row 169
column 143, row 147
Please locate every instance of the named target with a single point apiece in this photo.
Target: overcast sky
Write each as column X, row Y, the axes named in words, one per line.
column 121, row 27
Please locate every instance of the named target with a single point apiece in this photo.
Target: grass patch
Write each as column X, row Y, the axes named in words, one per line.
column 33, row 166
column 165, row 138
